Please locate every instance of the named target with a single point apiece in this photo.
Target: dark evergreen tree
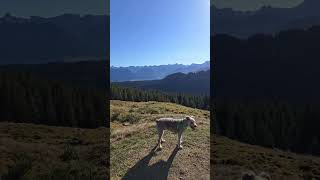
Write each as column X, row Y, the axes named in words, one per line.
column 24, row 98
column 138, row 95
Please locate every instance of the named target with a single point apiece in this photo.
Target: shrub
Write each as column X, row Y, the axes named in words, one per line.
column 131, row 118
column 115, row 116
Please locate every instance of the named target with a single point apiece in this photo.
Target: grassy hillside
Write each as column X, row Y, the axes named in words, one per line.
column 36, row 151
column 132, row 144
column 231, row 158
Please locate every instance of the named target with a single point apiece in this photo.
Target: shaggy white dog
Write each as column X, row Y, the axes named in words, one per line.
column 174, row 125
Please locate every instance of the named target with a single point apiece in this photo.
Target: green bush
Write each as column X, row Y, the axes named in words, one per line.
column 125, row 117
column 131, row 118
column 146, row 110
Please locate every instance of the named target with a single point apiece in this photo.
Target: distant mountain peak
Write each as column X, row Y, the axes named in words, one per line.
column 71, row 37
column 266, row 20
column 154, row 72
column 206, row 62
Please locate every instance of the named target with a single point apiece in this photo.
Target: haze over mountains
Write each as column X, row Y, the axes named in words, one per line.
column 141, row 73
column 267, row 20
column 68, row 37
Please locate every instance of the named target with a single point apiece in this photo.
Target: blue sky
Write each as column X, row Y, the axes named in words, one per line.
column 149, row 32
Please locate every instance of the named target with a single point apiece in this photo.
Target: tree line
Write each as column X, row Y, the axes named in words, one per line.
column 140, row 95
column 271, row 123
column 250, row 72
column 27, row 99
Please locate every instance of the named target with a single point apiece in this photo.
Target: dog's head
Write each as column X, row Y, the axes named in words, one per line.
column 191, row 122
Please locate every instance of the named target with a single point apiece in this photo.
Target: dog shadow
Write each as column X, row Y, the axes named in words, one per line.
column 157, row 171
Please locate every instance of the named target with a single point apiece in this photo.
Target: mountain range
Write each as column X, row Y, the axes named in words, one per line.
column 141, row 73
column 92, row 73
column 192, row 83
column 68, row 37
column 268, row 20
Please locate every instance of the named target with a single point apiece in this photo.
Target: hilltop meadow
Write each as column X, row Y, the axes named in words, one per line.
column 133, row 138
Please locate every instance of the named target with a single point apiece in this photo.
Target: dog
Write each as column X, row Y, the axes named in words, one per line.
column 174, row 125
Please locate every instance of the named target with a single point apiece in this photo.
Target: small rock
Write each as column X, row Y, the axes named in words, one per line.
column 126, row 124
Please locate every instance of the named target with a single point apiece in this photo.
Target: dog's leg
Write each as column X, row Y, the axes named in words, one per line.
column 179, row 139
column 160, row 133
column 162, row 140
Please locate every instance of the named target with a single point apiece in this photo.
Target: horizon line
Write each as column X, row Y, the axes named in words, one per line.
column 52, row 16
column 157, row 65
column 252, row 10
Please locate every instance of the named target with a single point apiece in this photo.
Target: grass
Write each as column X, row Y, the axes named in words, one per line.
column 131, row 150
column 231, row 158
column 21, row 166
column 70, row 153
column 31, row 151
column 132, row 147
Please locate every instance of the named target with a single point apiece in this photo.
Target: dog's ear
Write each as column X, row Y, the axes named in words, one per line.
column 187, row 118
